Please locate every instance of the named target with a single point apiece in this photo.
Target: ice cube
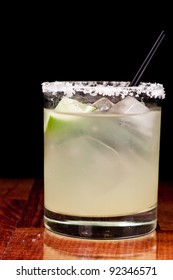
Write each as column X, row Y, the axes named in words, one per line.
column 136, row 117
column 129, row 105
column 103, row 104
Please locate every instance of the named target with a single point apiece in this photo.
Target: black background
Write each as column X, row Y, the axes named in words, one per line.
column 67, row 44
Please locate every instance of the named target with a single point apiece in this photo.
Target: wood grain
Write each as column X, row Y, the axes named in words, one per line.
column 25, row 245
column 13, row 198
column 33, row 212
column 165, row 245
column 165, row 206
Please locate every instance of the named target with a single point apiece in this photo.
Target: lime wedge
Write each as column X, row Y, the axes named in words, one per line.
column 57, row 121
column 69, row 105
column 47, row 113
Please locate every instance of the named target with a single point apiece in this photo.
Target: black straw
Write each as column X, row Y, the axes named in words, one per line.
column 141, row 70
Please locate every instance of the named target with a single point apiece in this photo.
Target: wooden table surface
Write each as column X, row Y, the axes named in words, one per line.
column 23, row 237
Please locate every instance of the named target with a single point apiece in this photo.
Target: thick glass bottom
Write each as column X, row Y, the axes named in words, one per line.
column 104, row 227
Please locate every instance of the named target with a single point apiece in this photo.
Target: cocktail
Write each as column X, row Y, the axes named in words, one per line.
column 101, row 158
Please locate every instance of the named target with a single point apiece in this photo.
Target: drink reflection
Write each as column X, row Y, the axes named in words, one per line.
column 57, row 247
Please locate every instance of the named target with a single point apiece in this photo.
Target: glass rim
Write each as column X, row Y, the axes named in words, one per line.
column 103, row 88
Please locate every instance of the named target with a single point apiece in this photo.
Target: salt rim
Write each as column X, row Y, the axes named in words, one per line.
column 104, row 88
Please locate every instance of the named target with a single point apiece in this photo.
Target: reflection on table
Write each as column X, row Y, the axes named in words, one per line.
column 60, row 247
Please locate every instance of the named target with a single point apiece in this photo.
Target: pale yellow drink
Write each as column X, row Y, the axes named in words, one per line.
column 101, row 171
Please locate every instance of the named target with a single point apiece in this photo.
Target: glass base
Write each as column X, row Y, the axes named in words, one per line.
column 104, row 227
